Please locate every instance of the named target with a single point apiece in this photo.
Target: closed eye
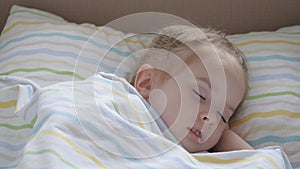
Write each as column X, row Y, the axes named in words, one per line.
column 222, row 117
column 198, row 94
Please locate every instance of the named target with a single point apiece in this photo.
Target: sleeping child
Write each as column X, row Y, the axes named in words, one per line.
column 195, row 79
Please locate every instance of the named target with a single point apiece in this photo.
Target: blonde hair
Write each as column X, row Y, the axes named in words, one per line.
column 177, row 38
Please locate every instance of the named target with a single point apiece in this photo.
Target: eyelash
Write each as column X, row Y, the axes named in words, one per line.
column 223, row 118
column 198, row 94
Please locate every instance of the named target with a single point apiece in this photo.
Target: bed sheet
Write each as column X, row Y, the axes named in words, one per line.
column 100, row 122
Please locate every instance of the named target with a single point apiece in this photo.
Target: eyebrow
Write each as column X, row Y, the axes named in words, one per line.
column 204, row 81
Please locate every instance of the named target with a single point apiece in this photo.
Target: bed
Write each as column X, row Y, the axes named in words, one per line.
column 53, row 49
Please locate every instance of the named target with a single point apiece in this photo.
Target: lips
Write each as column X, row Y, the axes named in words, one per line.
column 196, row 134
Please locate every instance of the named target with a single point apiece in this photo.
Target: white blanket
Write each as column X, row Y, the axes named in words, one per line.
column 101, row 122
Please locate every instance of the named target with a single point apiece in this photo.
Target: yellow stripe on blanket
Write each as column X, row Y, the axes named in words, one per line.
column 214, row 160
column 74, row 147
column 8, row 104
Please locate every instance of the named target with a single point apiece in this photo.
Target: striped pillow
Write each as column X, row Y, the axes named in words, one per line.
column 47, row 49
column 270, row 114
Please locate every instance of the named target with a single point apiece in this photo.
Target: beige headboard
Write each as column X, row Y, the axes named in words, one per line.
column 232, row 16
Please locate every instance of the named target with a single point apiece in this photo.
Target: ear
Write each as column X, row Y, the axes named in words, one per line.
column 144, row 80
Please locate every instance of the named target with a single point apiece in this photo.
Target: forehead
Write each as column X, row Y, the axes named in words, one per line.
column 221, row 71
column 214, row 62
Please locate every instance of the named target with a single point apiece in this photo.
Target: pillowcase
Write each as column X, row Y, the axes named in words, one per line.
column 45, row 48
column 270, row 114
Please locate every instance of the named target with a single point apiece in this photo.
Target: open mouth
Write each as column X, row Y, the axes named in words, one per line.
column 196, row 134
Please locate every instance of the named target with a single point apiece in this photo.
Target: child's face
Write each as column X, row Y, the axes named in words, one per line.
column 192, row 107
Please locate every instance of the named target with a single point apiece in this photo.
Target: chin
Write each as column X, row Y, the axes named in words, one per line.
column 196, row 147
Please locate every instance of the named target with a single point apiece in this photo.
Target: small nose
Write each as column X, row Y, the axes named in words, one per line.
column 205, row 118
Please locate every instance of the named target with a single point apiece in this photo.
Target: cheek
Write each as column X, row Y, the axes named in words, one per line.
column 172, row 108
column 180, row 108
column 214, row 139
column 158, row 100
column 168, row 102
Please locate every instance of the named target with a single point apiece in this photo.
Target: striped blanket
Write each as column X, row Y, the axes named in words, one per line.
column 100, row 122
